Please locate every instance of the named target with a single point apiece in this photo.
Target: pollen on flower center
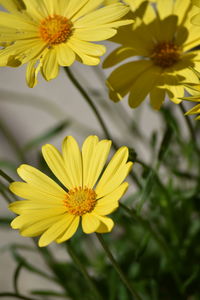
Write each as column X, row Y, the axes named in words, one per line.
column 55, row 29
column 165, row 54
column 80, row 201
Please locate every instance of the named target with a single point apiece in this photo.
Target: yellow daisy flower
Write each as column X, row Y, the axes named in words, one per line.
column 54, row 211
column 162, row 44
column 47, row 34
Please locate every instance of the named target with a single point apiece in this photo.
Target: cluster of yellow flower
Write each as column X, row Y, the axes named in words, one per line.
column 161, row 42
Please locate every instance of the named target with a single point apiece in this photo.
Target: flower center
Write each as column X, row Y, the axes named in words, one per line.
column 80, row 201
column 165, row 54
column 55, row 29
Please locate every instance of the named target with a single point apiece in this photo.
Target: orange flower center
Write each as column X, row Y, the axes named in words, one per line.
column 55, row 29
column 80, row 201
column 165, row 54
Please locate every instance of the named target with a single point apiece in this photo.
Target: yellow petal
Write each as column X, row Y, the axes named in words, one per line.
column 88, row 7
column 117, row 162
column 73, row 160
column 65, row 55
column 157, row 97
column 31, row 192
column 117, row 178
column 56, row 163
column 102, row 16
column 90, row 223
column 24, row 206
column 106, row 224
column 72, row 227
column 53, row 232
column 121, row 79
column 95, row 35
column 109, row 203
column 38, row 179
column 139, row 90
column 88, row 149
column 98, row 159
column 50, row 66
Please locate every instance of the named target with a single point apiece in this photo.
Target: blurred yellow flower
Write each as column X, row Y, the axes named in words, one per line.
column 54, row 212
column 162, row 45
column 48, row 34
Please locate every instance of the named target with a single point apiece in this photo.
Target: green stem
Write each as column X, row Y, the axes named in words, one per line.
column 83, row 270
column 16, row 277
column 117, row 268
column 12, row 141
column 18, row 296
column 6, row 177
column 89, row 101
column 2, row 191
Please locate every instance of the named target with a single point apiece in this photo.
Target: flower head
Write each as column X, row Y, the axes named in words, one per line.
column 162, row 44
column 49, row 34
column 54, row 211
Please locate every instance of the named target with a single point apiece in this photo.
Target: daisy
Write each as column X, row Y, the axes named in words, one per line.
column 47, row 34
column 86, row 194
column 162, row 44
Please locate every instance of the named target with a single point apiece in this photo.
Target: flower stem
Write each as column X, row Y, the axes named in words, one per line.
column 117, row 268
column 83, row 270
column 17, row 296
column 89, row 101
column 5, row 176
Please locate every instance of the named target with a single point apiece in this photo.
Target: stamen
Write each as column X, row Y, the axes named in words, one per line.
column 55, row 29
column 80, row 201
column 165, row 54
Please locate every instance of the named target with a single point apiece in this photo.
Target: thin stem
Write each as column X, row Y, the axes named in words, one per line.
column 12, row 141
column 83, row 270
column 2, row 191
column 89, row 101
column 18, row 296
column 117, row 268
column 6, row 177
column 16, row 277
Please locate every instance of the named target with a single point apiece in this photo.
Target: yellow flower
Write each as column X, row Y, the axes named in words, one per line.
column 47, row 34
column 54, row 211
column 162, row 45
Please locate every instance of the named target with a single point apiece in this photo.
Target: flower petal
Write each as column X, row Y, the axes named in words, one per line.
column 118, row 160
column 109, row 203
column 72, row 227
column 106, row 224
column 73, row 160
column 53, row 232
column 56, row 163
column 90, row 223
column 99, row 154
